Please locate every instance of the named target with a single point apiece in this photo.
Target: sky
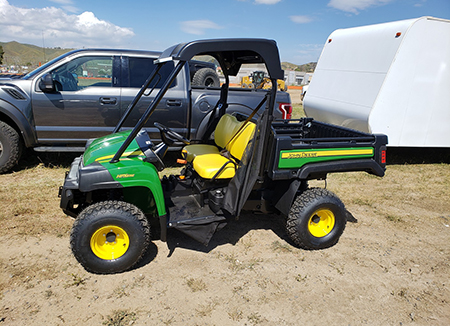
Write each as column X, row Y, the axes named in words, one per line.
column 300, row 27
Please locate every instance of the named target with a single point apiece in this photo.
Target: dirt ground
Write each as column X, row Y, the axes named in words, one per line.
column 391, row 267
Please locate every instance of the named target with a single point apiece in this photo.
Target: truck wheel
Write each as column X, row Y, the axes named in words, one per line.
column 10, row 147
column 206, row 77
column 316, row 219
column 109, row 237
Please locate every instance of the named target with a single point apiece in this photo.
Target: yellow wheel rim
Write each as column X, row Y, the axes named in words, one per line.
column 110, row 242
column 321, row 223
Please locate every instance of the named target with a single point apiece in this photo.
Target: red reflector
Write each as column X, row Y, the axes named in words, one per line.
column 383, row 157
column 398, row 34
column 329, row 40
column 286, row 110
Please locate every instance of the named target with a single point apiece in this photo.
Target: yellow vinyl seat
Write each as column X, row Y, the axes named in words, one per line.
column 215, row 165
column 190, row 152
column 225, row 129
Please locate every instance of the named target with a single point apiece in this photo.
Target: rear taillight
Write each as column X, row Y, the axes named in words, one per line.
column 383, row 156
column 286, row 110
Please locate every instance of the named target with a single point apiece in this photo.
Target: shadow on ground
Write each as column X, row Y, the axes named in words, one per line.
column 231, row 233
column 416, row 155
column 30, row 159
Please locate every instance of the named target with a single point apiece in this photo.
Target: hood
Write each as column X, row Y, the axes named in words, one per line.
column 104, row 148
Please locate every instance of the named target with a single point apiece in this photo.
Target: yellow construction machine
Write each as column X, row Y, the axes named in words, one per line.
column 258, row 80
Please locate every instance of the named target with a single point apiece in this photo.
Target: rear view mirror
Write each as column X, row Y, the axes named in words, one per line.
column 47, row 84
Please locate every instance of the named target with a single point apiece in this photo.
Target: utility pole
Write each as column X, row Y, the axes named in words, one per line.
column 43, row 45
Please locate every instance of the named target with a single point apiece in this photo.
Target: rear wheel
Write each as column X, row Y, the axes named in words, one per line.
column 110, row 237
column 316, row 220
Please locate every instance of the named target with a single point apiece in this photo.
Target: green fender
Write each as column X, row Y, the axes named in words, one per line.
column 138, row 179
column 140, row 182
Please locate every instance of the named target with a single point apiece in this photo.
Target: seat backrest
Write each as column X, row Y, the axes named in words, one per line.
column 225, row 135
column 225, row 130
column 237, row 145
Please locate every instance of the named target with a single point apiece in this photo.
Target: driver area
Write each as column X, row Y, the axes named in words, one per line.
column 220, row 161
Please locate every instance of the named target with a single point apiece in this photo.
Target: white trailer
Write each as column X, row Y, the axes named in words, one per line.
column 391, row 78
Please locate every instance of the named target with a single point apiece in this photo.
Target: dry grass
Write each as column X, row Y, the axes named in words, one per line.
column 120, row 318
column 196, row 285
column 30, row 202
column 405, row 193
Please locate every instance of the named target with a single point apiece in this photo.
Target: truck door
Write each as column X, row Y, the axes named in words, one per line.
column 86, row 103
column 172, row 111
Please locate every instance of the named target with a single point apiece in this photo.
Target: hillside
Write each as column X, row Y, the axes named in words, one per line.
column 28, row 55
column 308, row 67
column 20, row 54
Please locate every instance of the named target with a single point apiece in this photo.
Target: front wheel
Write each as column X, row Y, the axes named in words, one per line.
column 110, row 237
column 10, row 147
column 316, row 219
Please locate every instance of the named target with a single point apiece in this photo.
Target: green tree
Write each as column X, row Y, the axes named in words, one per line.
column 1, row 54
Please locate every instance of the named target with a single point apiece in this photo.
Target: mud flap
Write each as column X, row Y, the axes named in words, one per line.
column 201, row 231
column 286, row 192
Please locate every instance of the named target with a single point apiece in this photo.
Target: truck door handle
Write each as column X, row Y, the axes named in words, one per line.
column 173, row 103
column 108, row 100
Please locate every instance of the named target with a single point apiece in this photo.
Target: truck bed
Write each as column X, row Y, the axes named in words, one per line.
column 309, row 149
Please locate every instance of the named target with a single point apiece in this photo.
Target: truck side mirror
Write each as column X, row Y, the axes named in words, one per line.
column 47, row 84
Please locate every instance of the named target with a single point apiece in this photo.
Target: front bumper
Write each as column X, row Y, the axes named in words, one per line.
column 68, row 189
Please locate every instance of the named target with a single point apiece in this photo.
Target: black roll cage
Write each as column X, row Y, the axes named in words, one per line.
column 231, row 55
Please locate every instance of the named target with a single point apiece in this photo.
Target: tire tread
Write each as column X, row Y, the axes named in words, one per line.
column 308, row 197
column 15, row 143
column 91, row 212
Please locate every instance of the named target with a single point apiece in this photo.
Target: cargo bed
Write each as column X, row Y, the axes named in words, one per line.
column 309, row 149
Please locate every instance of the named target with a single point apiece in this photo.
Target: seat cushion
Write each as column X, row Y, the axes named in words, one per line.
column 189, row 152
column 208, row 165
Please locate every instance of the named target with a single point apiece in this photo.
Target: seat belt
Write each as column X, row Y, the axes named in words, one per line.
column 220, row 108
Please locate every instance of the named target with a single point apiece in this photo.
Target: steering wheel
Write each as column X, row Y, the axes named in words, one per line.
column 169, row 135
column 67, row 81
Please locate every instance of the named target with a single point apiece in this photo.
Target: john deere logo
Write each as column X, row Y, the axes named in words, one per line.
column 125, row 175
column 298, row 155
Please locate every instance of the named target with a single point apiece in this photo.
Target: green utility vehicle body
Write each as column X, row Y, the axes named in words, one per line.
column 257, row 165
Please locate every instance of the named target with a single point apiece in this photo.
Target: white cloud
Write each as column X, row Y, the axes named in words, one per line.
column 299, row 19
column 267, row 2
column 354, row 6
column 198, row 27
column 58, row 28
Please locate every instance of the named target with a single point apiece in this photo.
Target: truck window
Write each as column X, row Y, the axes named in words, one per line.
column 141, row 68
column 84, row 72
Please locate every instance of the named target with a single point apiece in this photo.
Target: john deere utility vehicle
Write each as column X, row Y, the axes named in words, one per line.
column 249, row 163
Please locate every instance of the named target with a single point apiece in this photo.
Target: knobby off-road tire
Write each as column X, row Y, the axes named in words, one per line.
column 316, row 219
column 110, row 237
column 10, row 147
column 206, row 77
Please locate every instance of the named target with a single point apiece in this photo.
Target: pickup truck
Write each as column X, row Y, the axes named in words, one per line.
column 83, row 94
